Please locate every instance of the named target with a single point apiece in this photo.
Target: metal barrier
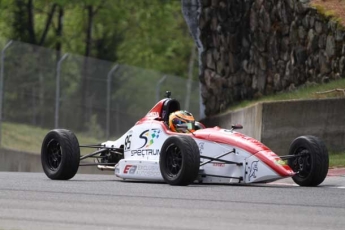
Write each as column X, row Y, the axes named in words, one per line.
column 50, row 90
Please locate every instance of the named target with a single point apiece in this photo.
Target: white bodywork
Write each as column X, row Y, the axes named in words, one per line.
column 142, row 145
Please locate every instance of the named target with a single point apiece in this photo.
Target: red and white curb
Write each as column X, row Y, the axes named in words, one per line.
column 336, row 172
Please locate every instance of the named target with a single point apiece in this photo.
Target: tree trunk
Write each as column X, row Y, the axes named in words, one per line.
column 59, row 34
column 48, row 22
column 89, row 30
column 31, row 23
column 85, row 72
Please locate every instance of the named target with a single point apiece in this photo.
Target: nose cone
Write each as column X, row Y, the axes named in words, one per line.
column 275, row 162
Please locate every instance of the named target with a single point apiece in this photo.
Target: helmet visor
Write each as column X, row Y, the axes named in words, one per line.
column 182, row 125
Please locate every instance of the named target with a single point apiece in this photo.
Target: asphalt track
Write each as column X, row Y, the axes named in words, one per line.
column 32, row 201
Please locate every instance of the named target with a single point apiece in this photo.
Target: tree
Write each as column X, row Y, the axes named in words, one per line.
column 150, row 34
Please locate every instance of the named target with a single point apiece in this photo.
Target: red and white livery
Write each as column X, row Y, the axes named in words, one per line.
column 149, row 151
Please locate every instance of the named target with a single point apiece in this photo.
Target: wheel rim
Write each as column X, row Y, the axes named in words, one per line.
column 173, row 161
column 54, row 155
column 302, row 162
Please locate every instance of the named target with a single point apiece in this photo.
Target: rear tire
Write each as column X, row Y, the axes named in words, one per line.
column 179, row 160
column 312, row 164
column 60, row 154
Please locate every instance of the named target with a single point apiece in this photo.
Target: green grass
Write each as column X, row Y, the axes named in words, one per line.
column 337, row 160
column 29, row 138
column 330, row 12
column 305, row 92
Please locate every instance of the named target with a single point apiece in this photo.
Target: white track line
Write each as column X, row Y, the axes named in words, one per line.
column 285, row 184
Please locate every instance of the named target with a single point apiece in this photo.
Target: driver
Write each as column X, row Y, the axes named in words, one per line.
column 182, row 121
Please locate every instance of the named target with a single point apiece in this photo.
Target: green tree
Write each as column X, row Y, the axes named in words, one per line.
column 146, row 33
column 150, row 34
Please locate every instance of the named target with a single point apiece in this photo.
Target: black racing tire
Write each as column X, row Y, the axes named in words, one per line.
column 179, row 160
column 311, row 166
column 60, row 154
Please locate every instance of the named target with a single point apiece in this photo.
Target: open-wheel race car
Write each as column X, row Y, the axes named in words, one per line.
column 150, row 151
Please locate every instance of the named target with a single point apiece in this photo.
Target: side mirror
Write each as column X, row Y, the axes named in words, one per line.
column 238, row 126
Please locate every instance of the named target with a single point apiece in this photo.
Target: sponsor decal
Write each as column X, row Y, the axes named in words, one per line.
column 153, row 114
column 142, row 170
column 201, row 147
column 253, row 169
column 218, row 164
column 148, row 170
column 145, row 152
column 280, row 162
column 149, row 136
column 130, row 169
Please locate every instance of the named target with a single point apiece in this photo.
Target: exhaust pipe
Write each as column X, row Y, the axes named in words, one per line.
column 106, row 168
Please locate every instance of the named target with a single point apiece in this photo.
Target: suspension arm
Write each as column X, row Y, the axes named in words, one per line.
column 218, row 159
column 93, row 154
column 293, row 156
column 101, row 146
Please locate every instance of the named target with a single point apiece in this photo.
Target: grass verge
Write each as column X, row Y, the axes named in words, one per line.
column 310, row 91
column 29, row 138
column 337, row 160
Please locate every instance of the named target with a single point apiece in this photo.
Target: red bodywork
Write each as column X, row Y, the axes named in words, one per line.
column 239, row 140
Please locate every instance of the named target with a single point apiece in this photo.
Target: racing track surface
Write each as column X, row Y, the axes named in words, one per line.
column 32, row 201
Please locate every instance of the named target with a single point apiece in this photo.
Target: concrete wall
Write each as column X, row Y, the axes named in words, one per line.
column 276, row 124
column 284, row 121
column 17, row 161
column 250, row 118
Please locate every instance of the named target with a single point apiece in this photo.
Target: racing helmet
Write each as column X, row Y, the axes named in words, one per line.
column 181, row 121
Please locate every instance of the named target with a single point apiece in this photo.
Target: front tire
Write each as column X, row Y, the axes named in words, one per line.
column 179, row 160
column 60, row 154
column 311, row 161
